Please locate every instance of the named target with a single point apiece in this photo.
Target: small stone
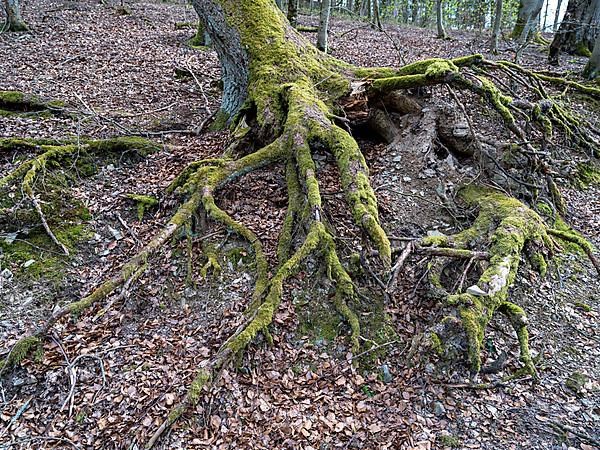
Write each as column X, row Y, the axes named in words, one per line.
column 476, row 291
column 407, row 179
column 397, row 158
column 439, row 409
column 386, row 374
column 6, row 274
column 28, row 263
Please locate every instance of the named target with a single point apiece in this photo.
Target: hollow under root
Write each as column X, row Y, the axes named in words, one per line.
column 508, row 225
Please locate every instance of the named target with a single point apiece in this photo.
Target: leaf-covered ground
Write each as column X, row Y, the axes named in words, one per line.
column 108, row 380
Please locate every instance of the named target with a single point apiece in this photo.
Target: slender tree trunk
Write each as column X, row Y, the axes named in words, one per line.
column 497, row 26
column 292, row 13
column 13, row 16
column 324, row 25
column 556, row 16
column 592, row 69
column 439, row 10
column 415, row 11
column 578, row 30
column 377, row 15
column 527, row 19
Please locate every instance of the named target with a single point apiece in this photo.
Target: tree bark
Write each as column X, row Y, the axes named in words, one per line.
column 439, row 10
column 557, row 16
column 529, row 11
column 578, row 30
column 324, row 25
column 292, row 13
column 592, row 69
column 497, row 25
column 376, row 15
column 14, row 22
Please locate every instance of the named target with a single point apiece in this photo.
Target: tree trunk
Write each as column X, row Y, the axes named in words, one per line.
column 323, row 25
column 439, row 10
column 578, row 30
column 497, row 25
column 557, row 16
column 592, row 69
column 292, row 13
column 529, row 11
column 376, row 15
column 13, row 16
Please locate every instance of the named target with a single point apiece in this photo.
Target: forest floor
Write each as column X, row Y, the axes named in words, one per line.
column 133, row 361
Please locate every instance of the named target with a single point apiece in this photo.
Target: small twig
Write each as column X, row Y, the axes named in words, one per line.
column 49, row 232
column 128, row 228
column 576, row 432
column 391, row 285
column 486, row 386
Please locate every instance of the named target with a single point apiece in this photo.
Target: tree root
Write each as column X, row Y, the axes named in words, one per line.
column 509, row 225
column 53, row 153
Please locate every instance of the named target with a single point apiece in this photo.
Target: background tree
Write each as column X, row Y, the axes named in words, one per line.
column 323, row 32
column 592, row 69
column 497, row 25
column 292, row 12
column 14, row 22
column 439, row 11
column 527, row 18
column 578, row 30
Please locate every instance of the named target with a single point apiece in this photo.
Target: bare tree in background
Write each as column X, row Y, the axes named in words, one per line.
column 324, row 25
column 14, row 22
column 439, row 9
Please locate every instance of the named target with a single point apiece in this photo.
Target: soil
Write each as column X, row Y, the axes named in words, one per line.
column 108, row 379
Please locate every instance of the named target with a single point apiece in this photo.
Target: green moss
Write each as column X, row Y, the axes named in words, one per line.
column 576, row 382
column 515, row 225
column 144, row 202
column 570, row 240
column 436, row 344
column 203, row 377
column 450, row 441
column 584, row 306
column 583, row 50
column 587, row 174
column 123, row 144
column 20, row 351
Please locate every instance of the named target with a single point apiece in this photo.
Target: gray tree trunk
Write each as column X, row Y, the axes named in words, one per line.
column 527, row 19
column 578, row 30
column 439, row 10
column 376, row 15
column 234, row 59
column 14, row 22
column 497, row 26
column 323, row 25
column 292, row 13
column 556, row 16
column 592, row 69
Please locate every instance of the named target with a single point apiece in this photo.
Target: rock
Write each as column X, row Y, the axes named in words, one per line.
column 476, row 291
column 439, row 409
column 429, row 368
column 397, row 158
column 406, row 179
column 6, row 274
column 386, row 374
column 28, row 263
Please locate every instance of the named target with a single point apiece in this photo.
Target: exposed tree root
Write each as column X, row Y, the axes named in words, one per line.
column 16, row 102
column 52, row 153
column 509, row 226
column 294, row 118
